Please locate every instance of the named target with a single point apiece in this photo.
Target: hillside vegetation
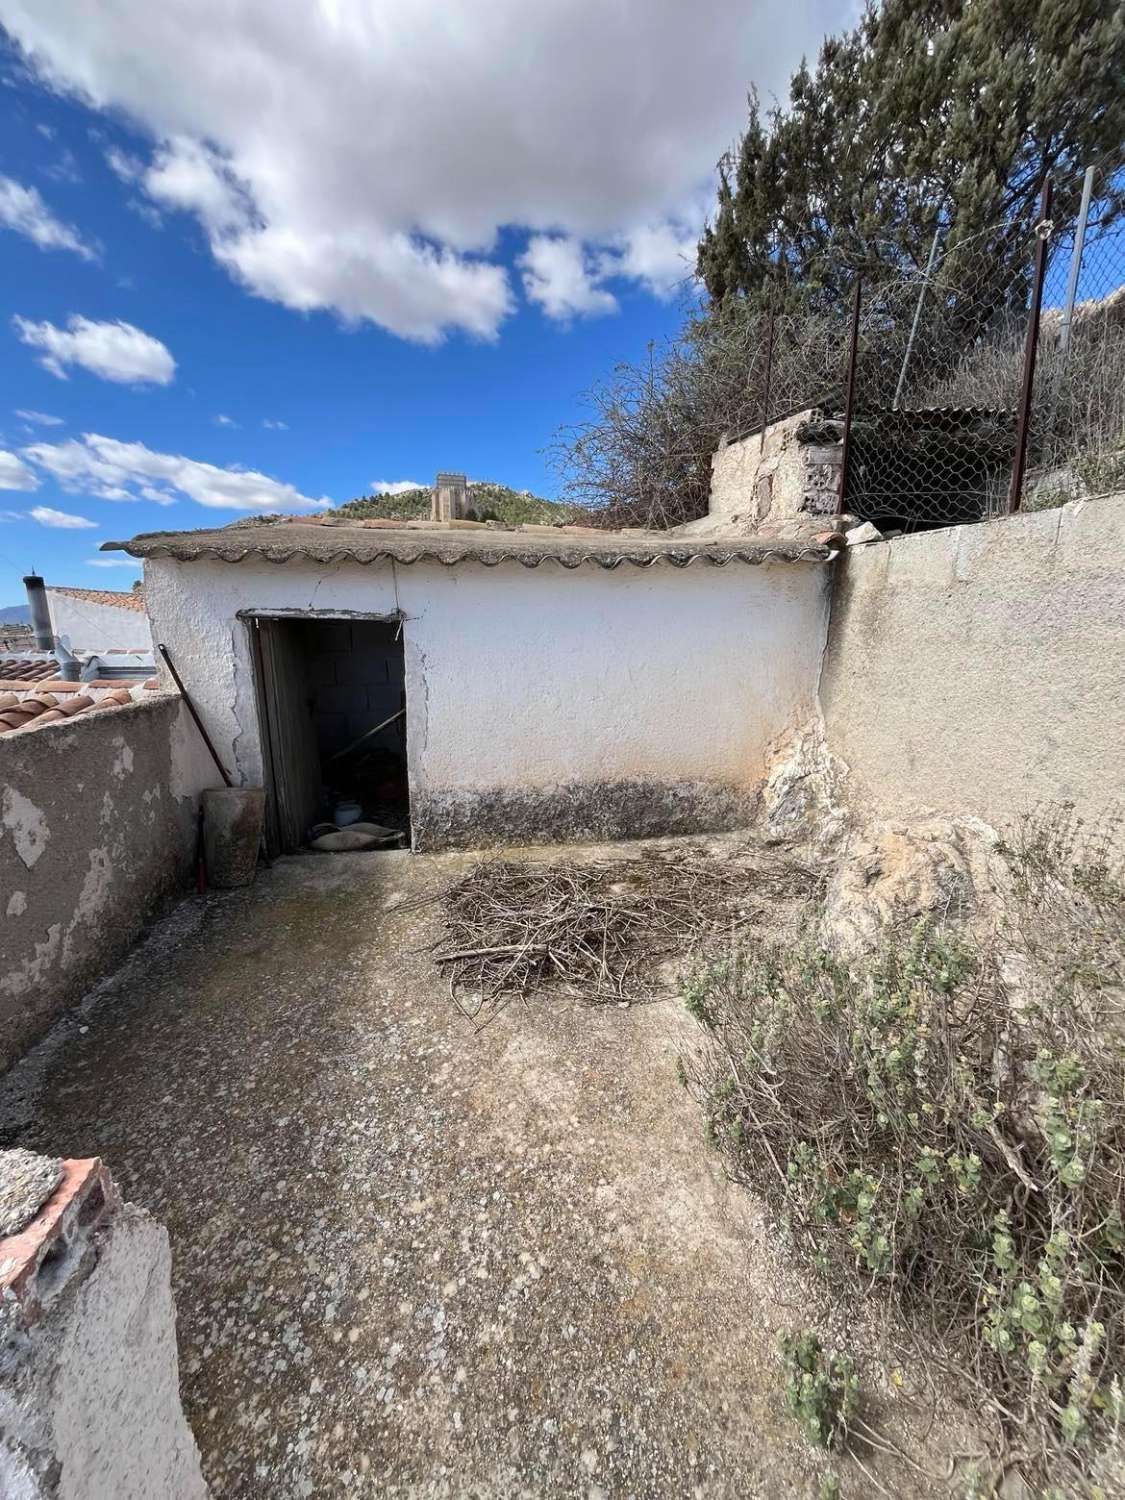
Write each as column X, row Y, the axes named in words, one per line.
column 491, row 502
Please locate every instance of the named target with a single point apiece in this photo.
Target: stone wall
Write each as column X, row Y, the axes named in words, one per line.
column 97, row 830
column 786, row 476
column 981, row 669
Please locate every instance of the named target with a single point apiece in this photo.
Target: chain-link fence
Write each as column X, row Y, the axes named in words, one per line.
column 939, row 387
column 1076, row 427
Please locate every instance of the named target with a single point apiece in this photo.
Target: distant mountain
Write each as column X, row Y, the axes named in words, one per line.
column 492, row 502
column 15, row 614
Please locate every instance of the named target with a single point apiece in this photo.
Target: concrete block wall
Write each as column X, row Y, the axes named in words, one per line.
column 354, row 681
column 981, row 669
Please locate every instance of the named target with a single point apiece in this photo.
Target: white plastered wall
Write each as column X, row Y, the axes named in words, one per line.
column 86, row 625
column 520, row 679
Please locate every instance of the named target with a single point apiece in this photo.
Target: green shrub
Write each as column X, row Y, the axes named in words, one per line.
column 952, row 1144
column 821, row 1389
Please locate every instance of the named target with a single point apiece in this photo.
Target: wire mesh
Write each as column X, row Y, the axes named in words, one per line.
column 941, row 352
column 1077, row 419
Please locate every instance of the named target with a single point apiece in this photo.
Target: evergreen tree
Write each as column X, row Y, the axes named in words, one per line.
column 930, row 113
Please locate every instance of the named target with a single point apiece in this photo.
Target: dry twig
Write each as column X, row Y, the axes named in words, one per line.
column 594, row 927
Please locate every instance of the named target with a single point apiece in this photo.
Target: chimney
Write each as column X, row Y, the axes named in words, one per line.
column 451, row 498
column 40, row 614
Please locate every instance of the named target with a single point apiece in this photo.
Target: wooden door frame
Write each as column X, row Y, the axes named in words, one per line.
column 252, row 619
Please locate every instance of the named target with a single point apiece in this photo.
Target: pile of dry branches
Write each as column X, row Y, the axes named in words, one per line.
column 594, row 927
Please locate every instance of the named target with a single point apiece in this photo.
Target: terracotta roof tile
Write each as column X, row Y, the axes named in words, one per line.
column 24, row 669
column 40, row 707
column 116, row 599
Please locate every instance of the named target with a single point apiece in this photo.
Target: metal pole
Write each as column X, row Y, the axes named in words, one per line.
column 917, row 318
column 191, row 710
column 1076, row 263
column 849, row 398
column 1042, row 230
column 769, row 374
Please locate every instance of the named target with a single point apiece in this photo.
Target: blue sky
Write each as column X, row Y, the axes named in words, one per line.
column 429, row 284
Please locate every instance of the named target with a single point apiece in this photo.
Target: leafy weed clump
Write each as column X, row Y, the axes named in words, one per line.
column 821, row 1389
column 945, row 1127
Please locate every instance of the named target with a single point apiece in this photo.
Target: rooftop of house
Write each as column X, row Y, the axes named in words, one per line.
column 51, row 700
column 328, row 539
column 133, row 599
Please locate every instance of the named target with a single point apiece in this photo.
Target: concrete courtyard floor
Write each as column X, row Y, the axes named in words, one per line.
column 414, row 1260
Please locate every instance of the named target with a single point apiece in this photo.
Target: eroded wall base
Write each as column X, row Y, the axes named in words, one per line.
column 577, row 812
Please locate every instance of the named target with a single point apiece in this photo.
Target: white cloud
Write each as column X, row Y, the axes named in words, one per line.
column 364, row 158
column 394, row 486
column 61, row 519
column 14, row 473
column 112, row 470
column 38, row 418
column 114, row 562
column 113, row 351
column 274, row 424
column 22, row 209
column 660, row 256
column 222, row 420
column 561, row 277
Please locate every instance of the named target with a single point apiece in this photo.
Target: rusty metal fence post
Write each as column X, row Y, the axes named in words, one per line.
column 849, row 396
column 1031, row 347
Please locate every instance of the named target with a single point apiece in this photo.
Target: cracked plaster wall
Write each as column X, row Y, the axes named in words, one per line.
column 540, row 704
column 97, row 829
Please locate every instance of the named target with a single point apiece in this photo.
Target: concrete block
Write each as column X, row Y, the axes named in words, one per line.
column 343, row 698
column 334, row 635
column 382, row 700
column 357, row 667
column 322, row 667
column 331, row 731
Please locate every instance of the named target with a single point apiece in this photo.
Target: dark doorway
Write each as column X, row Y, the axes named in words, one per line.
column 332, row 710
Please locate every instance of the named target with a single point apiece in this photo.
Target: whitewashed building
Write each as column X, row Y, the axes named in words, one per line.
column 99, row 619
column 516, row 684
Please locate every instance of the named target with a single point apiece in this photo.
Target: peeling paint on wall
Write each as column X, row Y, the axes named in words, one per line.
column 26, row 823
column 115, row 849
column 33, row 968
column 123, row 761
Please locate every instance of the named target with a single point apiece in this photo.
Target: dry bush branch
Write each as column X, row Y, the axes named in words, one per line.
column 945, row 1129
column 596, row 928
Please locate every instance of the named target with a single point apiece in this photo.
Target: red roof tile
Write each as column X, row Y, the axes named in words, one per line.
column 25, row 669
column 135, row 599
column 40, row 707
